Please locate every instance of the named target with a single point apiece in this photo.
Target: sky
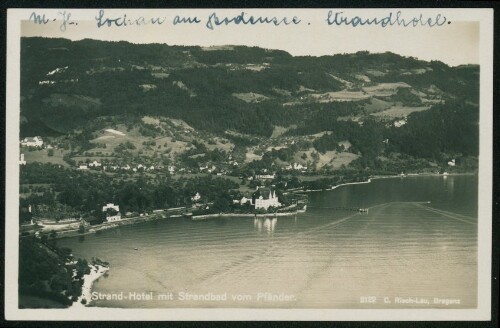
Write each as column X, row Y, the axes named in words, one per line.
column 456, row 43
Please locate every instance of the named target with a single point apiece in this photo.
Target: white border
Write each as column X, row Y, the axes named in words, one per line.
column 483, row 312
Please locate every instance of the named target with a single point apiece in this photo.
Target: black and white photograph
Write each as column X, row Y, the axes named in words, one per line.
column 249, row 163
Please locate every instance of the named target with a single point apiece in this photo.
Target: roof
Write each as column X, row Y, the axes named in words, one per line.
column 32, row 139
column 264, row 192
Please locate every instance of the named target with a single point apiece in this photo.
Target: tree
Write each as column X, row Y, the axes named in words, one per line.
column 223, row 203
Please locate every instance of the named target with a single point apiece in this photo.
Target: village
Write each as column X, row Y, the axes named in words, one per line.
column 259, row 198
column 264, row 202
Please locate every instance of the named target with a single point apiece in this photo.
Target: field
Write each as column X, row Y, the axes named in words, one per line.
column 377, row 105
column 340, row 96
column 336, row 159
column 113, row 139
column 249, row 97
column 251, row 156
column 278, row 131
column 42, row 156
column 399, row 111
column 385, row 89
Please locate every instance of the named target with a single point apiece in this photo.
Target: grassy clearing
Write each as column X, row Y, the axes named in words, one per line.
column 41, row 156
column 399, row 111
column 385, row 89
column 250, row 97
column 332, row 158
column 151, row 120
column 251, row 156
column 340, row 96
column 278, row 131
column 221, row 144
column 79, row 101
column 181, row 124
column 377, row 105
column 340, row 159
column 112, row 140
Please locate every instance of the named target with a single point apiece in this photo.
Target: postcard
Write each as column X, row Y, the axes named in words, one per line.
column 249, row 164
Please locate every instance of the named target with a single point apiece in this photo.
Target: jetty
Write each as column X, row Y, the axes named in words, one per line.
column 345, row 208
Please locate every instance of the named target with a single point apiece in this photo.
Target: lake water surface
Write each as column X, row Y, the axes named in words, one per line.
column 404, row 253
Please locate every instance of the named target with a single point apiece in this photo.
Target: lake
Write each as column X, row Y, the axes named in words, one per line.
column 415, row 248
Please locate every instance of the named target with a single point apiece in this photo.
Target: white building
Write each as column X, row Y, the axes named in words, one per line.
column 298, row 166
column 83, row 167
column 111, row 206
column 32, row 142
column 115, row 217
column 400, row 123
column 265, row 176
column 21, row 160
column 196, row 197
column 265, row 198
column 242, row 201
column 451, row 163
column 95, row 164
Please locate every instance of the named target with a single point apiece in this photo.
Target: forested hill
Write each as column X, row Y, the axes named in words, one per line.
column 248, row 90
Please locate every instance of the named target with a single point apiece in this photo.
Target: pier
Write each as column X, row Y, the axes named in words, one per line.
column 344, row 208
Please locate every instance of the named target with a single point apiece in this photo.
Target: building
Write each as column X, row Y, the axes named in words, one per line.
column 196, row 197
column 265, row 198
column 83, row 167
column 114, row 214
column 452, row 163
column 111, row 206
column 95, row 164
column 298, row 166
column 32, row 142
column 114, row 218
column 21, row 160
column 265, row 176
column 242, row 201
column 400, row 123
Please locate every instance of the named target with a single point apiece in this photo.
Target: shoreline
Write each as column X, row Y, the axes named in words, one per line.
column 157, row 216
column 245, row 215
column 111, row 225
column 410, row 175
column 96, row 272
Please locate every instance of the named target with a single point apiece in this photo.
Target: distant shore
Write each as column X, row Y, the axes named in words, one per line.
column 300, row 191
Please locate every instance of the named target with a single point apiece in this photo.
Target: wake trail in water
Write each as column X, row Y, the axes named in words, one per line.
column 255, row 261
column 451, row 215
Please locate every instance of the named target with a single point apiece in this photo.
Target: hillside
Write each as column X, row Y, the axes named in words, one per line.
column 249, row 103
